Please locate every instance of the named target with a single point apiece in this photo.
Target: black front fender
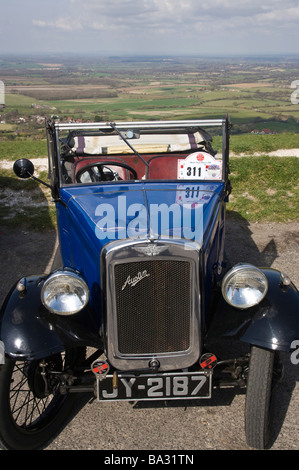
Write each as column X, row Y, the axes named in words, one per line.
column 29, row 331
column 272, row 324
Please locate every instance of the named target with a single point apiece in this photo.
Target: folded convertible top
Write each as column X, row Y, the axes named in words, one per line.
column 146, row 143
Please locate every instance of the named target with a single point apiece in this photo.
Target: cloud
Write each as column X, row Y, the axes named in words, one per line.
column 62, row 24
column 151, row 26
column 167, row 15
column 283, row 17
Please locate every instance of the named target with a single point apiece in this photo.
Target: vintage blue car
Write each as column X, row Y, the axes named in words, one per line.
column 143, row 304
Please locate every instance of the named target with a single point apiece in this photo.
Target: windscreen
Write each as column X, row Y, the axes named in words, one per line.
column 176, row 154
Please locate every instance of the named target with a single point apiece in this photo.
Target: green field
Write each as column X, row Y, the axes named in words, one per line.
column 179, row 103
column 255, row 93
column 29, row 148
column 251, row 143
column 265, row 189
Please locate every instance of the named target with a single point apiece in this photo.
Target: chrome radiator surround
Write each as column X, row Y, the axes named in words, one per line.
column 182, row 329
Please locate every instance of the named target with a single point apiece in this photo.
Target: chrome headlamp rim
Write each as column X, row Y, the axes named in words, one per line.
column 60, row 276
column 245, row 268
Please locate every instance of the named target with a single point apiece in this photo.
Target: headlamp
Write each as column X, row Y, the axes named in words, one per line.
column 244, row 286
column 64, row 293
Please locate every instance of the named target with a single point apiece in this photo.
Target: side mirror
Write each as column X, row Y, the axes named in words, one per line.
column 23, row 168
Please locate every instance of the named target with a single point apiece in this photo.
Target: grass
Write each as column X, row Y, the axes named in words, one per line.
column 8, row 180
column 39, row 220
column 263, row 143
column 265, row 189
column 29, row 148
column 25, row 204
column 253, row 143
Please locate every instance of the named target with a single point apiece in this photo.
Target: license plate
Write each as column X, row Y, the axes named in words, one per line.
column 189, row 385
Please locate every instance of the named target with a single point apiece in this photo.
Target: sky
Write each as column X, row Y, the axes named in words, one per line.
column 150, row 27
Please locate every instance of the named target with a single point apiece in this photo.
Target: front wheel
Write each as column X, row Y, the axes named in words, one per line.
column 258, row 408
column 33, row 410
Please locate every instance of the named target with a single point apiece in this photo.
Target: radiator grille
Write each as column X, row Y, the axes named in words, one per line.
column 153, row 315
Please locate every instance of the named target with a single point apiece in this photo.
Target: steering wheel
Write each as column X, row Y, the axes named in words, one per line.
column 101, row 176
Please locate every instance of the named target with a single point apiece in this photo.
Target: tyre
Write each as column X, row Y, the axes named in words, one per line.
column 259, row 397
column 31, row 412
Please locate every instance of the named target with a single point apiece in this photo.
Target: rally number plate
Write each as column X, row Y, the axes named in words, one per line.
column 155, row 386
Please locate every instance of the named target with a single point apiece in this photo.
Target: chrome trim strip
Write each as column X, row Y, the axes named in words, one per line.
column 142, row 124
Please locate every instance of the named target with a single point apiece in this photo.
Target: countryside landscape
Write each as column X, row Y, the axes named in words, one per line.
column 260, row 94
column 127, row 60
column 255, row 92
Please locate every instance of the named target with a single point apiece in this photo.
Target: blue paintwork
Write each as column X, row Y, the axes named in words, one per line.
column 81, row 214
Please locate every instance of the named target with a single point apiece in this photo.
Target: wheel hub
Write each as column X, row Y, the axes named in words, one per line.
column 40, row 379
